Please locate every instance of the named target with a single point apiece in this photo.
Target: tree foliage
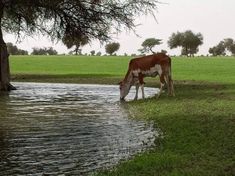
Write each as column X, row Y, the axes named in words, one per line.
column 98, row 53
column 230, row 45
column 227, row 44
column 78, row 42
column 149, row 44
column 14, row 50
column 91, row 18
column 112, row 47
column 218, row 50
column 44, row 51
column 92, row 52
column 187, row 40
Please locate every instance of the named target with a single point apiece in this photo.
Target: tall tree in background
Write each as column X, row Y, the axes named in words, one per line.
column 187, row 40
column 112, row 48
column 78, row 42
column 218, row 50
column 230, row 45
column 59, row 18
column 149, row 44
column 92, row 52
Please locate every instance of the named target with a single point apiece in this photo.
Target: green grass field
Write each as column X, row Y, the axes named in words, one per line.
column 198, row 124
column 68, row 65
column 196, row 69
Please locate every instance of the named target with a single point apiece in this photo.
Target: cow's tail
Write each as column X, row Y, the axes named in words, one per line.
column 170, row 81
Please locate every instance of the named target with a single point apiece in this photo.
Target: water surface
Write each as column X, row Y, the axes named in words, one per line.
column 68, row 129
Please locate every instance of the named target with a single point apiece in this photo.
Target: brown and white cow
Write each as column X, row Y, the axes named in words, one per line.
column 147, row 66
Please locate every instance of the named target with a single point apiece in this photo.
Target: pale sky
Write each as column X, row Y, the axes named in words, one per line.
column 215, row 19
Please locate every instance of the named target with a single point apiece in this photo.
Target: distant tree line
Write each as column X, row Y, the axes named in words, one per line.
column 44, row 51
column 14, row 50
column 188, row 41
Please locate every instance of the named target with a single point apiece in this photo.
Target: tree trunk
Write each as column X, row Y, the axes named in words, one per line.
column 76, row 51
column 4, row 69
column 4, row 65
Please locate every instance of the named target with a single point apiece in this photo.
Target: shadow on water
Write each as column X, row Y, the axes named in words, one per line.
column 67, row 129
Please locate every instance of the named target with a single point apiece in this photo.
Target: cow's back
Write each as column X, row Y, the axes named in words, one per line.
column 147, row 62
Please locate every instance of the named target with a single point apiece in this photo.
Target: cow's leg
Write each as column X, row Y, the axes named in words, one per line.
column 162, row 83
column 171, row 86
column 136, row 92
column 142, row 88
column 141, row 81
column 167, row 81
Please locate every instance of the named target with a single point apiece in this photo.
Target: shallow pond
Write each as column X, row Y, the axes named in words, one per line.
column 68, row 129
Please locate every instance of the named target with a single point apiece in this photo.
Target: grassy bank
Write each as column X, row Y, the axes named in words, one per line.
column 198, row 128
column 197, row 125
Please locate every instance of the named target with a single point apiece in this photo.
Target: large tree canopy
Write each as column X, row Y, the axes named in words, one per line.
column 112, row 48
column 218, row 50
column 92, row 18
column 74, row 18
column 78, row 42
column 187, row 40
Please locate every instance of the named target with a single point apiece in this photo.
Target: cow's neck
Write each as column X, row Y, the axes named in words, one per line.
column 128, row 78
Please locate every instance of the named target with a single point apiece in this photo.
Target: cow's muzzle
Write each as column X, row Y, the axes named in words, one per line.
column 122, row 99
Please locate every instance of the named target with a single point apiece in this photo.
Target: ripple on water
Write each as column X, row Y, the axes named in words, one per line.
column 67, row 129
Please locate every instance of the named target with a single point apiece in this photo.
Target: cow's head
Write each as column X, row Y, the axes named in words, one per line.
column 124, row 89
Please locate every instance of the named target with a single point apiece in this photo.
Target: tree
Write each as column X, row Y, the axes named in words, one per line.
column 149, row 44
column 13, row 50
column 230, row 45
column 78, row 42
column 44, row 51
column 164, row 51
column 51, row 51
column 112, row 47
column 98, row 53
column 59, row 18
column 22, row 52
column 232, row 49
column 187, row 40
column 218, row 50
column 39, row 51
column 93, row 52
